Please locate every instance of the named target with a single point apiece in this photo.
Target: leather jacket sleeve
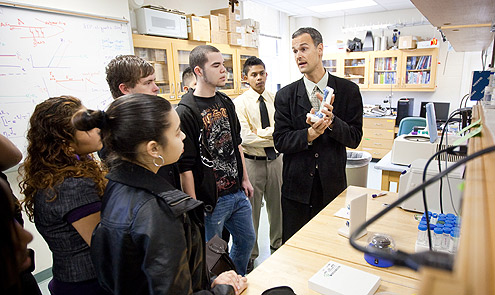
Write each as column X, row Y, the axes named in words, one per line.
column 165, row 250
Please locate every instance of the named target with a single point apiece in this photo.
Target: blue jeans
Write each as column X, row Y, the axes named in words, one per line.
column 234, row 212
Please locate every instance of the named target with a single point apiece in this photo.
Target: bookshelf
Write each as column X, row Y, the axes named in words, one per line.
column 400, row 70
column 419, row 69
column 385, row 69
column 356, row 66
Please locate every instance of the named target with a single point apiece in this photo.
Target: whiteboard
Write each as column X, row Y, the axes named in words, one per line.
column 45, row 54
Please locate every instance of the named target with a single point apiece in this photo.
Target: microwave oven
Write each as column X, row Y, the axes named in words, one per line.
column 161, row 23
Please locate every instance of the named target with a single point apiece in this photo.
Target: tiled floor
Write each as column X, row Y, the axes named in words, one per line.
column 374, row 181
column 44, row 287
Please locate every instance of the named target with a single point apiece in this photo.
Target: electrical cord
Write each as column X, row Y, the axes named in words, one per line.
column 447, row 177
column 414, row 261
column 483, row 58
column 462, row 99
column 468, row 96
column 453, row 114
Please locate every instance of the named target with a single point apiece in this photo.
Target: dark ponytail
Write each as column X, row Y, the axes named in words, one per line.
column 85, row 120
column 129, row 121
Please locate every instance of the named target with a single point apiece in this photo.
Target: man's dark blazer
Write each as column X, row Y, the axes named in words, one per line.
column 327, row 151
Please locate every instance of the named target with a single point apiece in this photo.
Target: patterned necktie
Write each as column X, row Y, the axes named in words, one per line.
column 265, row 122
column 313, row 99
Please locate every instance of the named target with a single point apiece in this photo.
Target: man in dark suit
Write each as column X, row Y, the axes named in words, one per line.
column 314, row 153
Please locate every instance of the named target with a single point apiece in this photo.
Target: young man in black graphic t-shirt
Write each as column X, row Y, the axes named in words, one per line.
column 212, row 165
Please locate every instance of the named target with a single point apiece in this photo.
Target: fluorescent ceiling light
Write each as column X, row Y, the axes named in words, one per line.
column 346, row 5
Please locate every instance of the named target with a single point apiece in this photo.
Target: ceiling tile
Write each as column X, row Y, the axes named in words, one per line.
column 293, row 7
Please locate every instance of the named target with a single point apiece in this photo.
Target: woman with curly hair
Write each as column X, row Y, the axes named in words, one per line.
column 63, row 185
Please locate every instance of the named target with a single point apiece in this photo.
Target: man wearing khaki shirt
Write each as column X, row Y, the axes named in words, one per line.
column 255, row 109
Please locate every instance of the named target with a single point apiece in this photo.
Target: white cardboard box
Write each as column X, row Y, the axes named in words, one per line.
column 338, row 279
column 425, row 44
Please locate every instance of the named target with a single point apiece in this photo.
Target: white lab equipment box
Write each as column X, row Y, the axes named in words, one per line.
column 161, row 23
column 451, row 187
column 407, row 148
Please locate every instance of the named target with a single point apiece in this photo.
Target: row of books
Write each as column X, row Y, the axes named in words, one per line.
column 418, row 62
column 385, row 78
column 418, row 77
column 385, row 64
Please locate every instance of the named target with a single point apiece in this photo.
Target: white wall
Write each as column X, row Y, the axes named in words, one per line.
column 453, row 71
column 110, row 8
column 273, row 41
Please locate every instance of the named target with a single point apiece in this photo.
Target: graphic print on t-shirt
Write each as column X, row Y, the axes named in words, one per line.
column 220, row 146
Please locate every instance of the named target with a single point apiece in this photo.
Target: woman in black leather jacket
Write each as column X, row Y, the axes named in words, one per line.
column 151, row 238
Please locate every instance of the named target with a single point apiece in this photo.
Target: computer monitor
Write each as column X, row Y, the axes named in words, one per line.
column 441, row 110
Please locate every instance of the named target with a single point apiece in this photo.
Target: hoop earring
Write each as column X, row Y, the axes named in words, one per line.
column 161, row 158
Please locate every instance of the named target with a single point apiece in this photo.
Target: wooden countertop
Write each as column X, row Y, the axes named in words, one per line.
column 318, row 242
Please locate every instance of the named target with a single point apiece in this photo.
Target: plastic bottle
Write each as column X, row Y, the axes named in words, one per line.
column 327, row 98
column 434, row 218
column 421, row 240
column 454, row 240
column 446, row 238
column 437, row 238
column 432, row 230
column 448, row 225
column 432, row 234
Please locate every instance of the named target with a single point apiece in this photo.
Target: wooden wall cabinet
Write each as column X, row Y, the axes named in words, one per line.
column 385, row 69
column 243, row 53
column 402, row 70
column 419, row 69
column 180, row 53
column 332, row 63
column 170, row 57
column 406, row 70
column 231, row 65
column 355, row 68
column 159, row 53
